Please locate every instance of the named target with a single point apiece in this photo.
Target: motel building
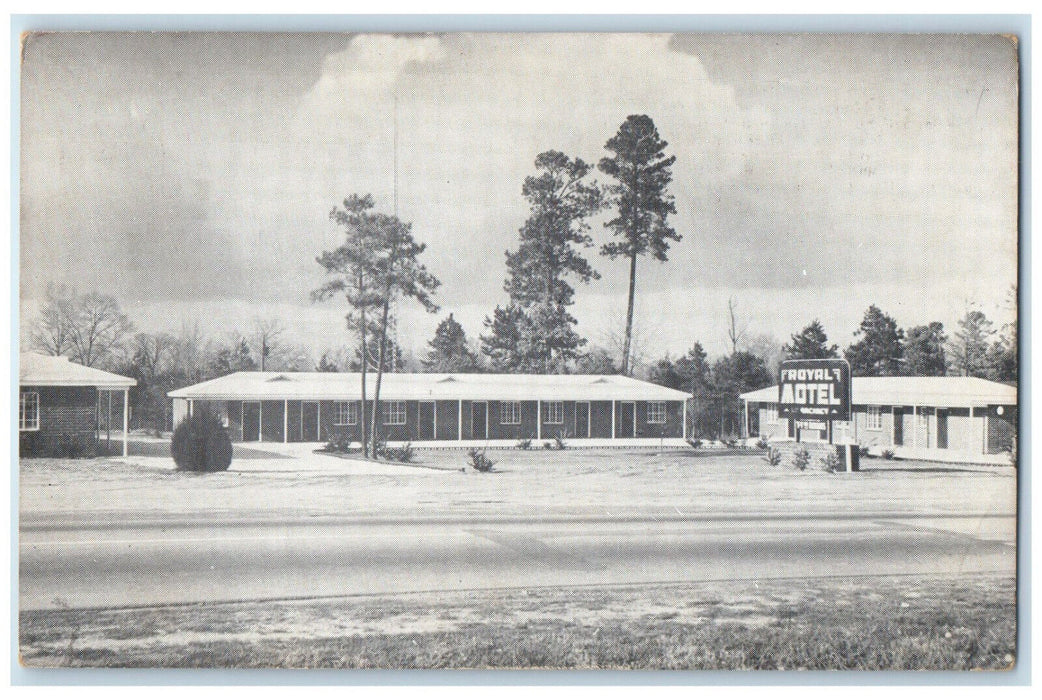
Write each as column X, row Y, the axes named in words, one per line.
column 64, row 408
column 442, row 410
column 961, row 419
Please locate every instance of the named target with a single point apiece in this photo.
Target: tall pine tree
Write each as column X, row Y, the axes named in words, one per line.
column 642, row 174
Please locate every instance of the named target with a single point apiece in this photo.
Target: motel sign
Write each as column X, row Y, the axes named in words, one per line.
column 814, row 390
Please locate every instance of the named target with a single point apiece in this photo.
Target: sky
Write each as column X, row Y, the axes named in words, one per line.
column 192, row 175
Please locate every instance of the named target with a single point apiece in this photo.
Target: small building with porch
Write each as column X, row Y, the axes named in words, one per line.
column 64, row 406
column 942, row 418
column 496, row 410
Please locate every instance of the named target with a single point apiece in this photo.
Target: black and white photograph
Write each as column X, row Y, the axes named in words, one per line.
column 517, row 350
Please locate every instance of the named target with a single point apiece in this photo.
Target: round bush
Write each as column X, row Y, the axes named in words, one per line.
column 201, row 444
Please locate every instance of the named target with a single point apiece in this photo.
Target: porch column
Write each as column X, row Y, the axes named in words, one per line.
column 285, row 420
column 745, row 428
column 190, row 402
column 683, row 426
column 126, row 417
column 319, row 431
column 538, row 419
column 460, row 423
column 613, row 419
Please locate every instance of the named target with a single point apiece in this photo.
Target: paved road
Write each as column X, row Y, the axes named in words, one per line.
column 143, row 563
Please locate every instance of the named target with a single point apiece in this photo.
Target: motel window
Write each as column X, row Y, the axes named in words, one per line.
column 924, row 417
column 345, row 413
column 553, row 412
column 656, row 411
column 875, row 418
column 510, row 413
column 770, row 413
column 393, row 413
column 29, row 410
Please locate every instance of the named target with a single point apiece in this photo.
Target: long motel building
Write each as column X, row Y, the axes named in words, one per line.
column 493, row 410
column 942, row 418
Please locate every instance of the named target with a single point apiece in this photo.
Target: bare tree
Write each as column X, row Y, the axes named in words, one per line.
column 50, row 333
column 734, row 333
column 266, row 332
column 89, row 328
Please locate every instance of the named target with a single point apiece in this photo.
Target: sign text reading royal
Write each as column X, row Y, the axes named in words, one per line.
column 814, row 389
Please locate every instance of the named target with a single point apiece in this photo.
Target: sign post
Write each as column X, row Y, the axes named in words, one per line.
column 816, row 390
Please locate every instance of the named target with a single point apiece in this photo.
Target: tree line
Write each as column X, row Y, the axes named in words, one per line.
column 879, row 348
column 378, row 265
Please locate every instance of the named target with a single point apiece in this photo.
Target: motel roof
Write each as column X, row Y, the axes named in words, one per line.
column 398, row 386
column 943, row 392
column 47, row 370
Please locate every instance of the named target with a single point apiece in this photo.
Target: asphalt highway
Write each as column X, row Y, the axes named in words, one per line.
column 116, row 563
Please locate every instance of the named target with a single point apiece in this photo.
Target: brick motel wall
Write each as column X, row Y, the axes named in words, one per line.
column 440, row 420
column 68, row 423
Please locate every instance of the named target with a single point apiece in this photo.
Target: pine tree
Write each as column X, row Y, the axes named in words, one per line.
column 642, row 203
column 352, row 267
column 731, row 377
column 449, row 349
column 810, row 344
column 878, row 352
column 547, row 255
column 510, row 344
column 969, row 347
column 924, row 350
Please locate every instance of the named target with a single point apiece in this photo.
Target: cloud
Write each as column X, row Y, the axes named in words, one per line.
column 804, row 163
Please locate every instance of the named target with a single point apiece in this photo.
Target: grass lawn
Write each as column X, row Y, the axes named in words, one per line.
column 893, row 623
column 539, row 483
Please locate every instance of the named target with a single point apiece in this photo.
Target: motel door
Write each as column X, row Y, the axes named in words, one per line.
column 309, row 421
column 627, row 414
column 899, row 427
column 425, row 425
column 942, row 428
column 479, row 420
column 251, row 421
column 582, row 419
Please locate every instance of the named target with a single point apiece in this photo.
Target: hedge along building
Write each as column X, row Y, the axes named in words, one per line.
column 441, row 408
column 60, row 405
column 944, row 418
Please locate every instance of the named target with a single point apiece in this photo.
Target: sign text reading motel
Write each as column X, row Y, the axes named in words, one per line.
column 814, row 390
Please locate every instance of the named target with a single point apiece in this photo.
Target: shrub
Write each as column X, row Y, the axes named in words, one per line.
column 773, row 456
column 559, row 443
column 801, row 459
column 831, row 462
column 340, row 444
column 548, row 445
column 479, row 460
column 1012, row 451
column 695, row 443
column 525, row 444
column 201, row 444
column 763, row 444
column 862, row 451
column 731, row 442
column 403, row 453
column 887, row 454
